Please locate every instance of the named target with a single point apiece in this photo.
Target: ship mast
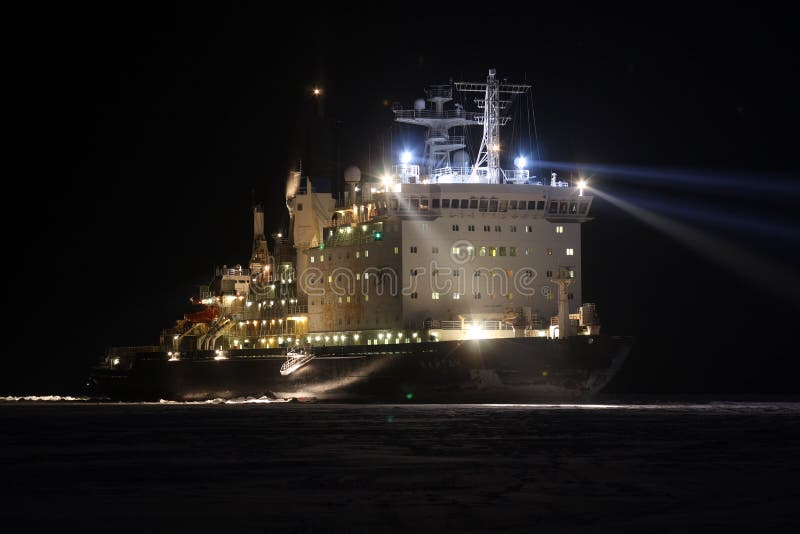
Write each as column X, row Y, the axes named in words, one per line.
column 488, row 162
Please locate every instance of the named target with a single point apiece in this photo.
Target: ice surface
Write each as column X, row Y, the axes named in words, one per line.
column 286, row 467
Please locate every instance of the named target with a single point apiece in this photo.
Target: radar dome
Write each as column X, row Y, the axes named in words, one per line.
column 352, row 174
column 460, row 159
column 419, row 104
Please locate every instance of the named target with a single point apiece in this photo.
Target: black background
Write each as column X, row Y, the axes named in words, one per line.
column 140, row 135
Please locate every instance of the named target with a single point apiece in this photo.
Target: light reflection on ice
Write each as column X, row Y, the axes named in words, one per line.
column 44, row 398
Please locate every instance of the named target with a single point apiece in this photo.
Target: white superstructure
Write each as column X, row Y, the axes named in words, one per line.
column 453, row 250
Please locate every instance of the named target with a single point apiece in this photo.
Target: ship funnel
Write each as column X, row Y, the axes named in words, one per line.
column 258, row 221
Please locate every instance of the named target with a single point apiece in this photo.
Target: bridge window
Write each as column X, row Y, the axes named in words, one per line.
column 473, row 203
column 540, row 205
column 464, row 203
column 493, row 205
column 503, row 206
column 484, row 204
column 445, row 202
column 435, row 203
column 582, row 207
column 512, row 204
column 553, row 207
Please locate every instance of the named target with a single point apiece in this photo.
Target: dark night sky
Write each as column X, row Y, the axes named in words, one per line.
column 141, row 134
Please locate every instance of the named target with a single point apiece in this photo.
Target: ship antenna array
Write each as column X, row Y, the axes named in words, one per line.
column 489, row 152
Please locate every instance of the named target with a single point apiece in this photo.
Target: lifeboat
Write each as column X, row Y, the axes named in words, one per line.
column 201, row 313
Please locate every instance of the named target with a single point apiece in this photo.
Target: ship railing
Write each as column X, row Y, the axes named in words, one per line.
column 430, row 114
column 403, row 173
column 517, row 176
column 233, row 272
column 466, row 325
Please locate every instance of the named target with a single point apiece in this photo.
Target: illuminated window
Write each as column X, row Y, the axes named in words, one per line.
column 330, row 279
column 493, row 251
column 366, row 253
column 435, row 295
column 482, row 251
column 340, row 300
column 456, row 296
column 559, row 229
column 321, row 258
column 510, row 296
column 312, row 259
column 358, row 276
column 397, row 250
column 348, row 298
column 527, row 228
column 549, row 251
column 366, row 298
column 456, row 251
column 529, row 251
column 570, row 252
column 358, row 254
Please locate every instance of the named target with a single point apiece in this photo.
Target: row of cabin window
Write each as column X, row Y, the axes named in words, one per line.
column 493, row 251
column 480, row 204
column 495, row 205
column 497, row 228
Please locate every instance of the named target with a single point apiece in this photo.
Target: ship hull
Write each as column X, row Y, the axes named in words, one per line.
column 472, row 371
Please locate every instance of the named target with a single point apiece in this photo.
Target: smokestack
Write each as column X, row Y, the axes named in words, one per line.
column 258, row 222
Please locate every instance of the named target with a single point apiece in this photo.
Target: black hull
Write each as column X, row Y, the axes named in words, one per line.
column 485, row 371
